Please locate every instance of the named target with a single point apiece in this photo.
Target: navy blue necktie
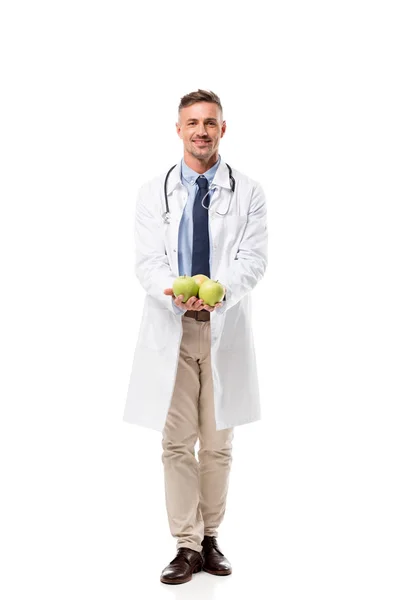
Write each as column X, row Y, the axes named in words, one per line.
column 201, row 240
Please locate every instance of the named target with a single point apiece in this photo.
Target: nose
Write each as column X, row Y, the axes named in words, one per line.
column 201, row 130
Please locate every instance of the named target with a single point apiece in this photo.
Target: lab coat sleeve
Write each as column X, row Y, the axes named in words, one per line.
column 152, row 267
column 251, row 259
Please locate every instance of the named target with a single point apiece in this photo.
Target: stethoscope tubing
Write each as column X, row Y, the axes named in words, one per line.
column 166, row 215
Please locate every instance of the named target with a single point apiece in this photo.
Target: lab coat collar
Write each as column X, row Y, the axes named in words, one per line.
column 221, row 177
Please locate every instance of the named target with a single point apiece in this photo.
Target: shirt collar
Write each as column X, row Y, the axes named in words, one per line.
column 221, row 178
column 190, row 176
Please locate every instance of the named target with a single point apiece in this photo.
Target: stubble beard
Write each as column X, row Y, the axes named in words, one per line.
column 202, row 157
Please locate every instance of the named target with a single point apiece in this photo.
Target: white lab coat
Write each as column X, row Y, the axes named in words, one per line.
column 238, row 232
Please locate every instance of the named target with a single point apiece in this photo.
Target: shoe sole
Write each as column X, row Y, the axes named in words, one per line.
column 178, row 581
column 218, row 572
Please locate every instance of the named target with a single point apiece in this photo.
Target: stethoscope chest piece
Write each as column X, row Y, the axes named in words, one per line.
column 166, row 218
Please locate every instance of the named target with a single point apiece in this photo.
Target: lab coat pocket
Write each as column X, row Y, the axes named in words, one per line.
column 234, row 226
column 230, row 336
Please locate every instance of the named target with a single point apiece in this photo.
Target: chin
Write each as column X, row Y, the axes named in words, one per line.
column 199, row 155
column 202, row 153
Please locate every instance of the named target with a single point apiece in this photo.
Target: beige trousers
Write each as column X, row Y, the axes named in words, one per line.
column 195, row 490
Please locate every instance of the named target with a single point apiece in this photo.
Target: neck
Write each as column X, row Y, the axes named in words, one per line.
column 198, row 164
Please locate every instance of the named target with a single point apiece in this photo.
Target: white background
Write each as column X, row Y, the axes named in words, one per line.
column 89, row 99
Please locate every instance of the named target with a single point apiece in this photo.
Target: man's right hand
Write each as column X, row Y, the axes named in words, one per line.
column 192, row 303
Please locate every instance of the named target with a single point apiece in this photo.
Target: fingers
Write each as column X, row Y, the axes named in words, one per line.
column 211, row 308
column 194, row 303
column 168, row 292
column 188, row 304
column 208, row 307
column 198, row 305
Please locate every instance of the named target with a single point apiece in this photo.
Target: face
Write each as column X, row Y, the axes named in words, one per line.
column 200, row 126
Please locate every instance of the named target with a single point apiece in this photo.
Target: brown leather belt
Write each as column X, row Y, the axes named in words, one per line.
column 199, row 315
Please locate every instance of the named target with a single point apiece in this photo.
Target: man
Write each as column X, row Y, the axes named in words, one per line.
column 194, row 374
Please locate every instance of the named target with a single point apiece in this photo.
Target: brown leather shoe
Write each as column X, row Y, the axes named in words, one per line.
column 214, row 561
column 181, row 568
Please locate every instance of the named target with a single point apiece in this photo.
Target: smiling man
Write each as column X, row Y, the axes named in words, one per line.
column 194, row 375
column 200, row 126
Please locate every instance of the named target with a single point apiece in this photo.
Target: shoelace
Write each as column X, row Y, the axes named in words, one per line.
column 211, row 541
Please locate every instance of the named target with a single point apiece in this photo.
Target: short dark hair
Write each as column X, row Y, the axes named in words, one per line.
column 199, row 96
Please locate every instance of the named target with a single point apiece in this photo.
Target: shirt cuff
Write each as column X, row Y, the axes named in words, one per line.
column 177, row 309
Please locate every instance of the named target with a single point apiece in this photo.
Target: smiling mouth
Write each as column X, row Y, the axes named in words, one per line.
column 202, row 141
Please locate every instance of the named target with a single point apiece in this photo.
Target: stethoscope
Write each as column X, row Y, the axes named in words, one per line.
column 167, row 216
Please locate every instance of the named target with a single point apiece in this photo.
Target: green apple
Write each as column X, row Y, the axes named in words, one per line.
column 211, row 292
column 185, row 285
column 199, row 279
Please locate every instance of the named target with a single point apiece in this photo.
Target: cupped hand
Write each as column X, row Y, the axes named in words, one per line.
column 192, row 303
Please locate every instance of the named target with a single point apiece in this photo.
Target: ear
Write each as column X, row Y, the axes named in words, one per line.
column 223, row 128
column 178, row 129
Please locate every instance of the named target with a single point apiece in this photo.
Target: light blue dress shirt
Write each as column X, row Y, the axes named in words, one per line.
column 185, row 236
